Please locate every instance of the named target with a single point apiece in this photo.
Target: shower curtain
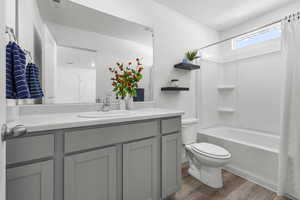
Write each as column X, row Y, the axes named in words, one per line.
column 289, row 159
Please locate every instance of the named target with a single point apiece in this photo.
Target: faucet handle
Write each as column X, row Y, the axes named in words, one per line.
column 98, row 100
column 108, row 99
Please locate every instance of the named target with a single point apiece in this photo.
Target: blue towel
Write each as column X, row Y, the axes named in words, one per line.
column 10, row 81
column 32, row 77
column 16, row 84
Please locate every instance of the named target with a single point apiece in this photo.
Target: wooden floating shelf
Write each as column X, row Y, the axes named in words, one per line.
column 174, row 89
column 226, row 87
column 226, row 110
column 186, row 66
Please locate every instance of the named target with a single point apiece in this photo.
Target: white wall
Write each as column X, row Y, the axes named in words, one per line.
column 10, row 14
column 29, row 19
column 174, row 35
column 262, row 20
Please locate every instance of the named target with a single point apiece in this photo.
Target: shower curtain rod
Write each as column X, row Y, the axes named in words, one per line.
column 235, row 36
column 253, row 30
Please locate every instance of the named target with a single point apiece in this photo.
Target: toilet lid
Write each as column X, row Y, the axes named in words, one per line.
column 210, row 150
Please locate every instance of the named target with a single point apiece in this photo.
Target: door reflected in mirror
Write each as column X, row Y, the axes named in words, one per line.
column 76, row 72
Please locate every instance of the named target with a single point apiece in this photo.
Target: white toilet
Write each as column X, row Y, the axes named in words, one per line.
column 205, row 160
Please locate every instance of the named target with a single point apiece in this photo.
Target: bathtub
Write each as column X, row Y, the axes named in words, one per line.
column 254, row 154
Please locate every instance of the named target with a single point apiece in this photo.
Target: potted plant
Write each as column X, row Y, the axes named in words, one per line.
column 125, row 82
column 191, row 56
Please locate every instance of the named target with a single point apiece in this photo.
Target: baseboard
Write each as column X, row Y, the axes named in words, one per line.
column 251, row 177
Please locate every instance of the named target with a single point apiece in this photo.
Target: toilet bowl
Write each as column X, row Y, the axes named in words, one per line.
column 205, row 160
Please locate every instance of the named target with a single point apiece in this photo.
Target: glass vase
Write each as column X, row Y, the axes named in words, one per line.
column 122, row 104
column 129, row 103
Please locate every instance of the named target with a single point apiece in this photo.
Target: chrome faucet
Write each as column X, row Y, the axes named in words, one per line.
column 106, row 106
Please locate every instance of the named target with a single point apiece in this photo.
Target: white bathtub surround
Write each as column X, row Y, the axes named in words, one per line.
column 254, row 154
column 289, row 173
column 242, row 93
column 205, row 160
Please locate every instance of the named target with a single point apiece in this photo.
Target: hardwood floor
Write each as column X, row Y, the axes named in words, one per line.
column 235, row 188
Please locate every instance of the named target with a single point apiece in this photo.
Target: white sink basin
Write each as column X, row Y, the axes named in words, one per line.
column 101, row 114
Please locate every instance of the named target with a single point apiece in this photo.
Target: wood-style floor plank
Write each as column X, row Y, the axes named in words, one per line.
column 235, row 188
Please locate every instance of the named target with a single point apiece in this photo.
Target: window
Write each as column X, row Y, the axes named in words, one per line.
column 263, row 35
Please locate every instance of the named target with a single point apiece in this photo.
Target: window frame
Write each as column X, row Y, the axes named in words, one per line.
column 234, row 41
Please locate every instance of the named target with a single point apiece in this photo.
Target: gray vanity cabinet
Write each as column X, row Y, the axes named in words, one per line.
column 140, row 170
column 30, row 182
column 91, row 175
column 171, row 164
column 127, row 161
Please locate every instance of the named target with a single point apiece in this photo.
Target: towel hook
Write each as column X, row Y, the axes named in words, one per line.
column 29, row 54
column 10, row 31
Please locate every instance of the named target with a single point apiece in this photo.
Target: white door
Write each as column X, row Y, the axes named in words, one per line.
column 2, row 98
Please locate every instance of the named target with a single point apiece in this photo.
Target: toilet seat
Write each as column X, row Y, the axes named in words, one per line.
column 210, row 150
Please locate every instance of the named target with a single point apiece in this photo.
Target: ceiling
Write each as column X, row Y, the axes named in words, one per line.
column 74, row 15
column 223, row 14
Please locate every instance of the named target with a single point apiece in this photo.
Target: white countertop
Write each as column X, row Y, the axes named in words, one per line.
column 36, row 123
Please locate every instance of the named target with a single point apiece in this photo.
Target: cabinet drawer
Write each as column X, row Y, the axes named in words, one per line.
column 171, row 125
column 96, row 137
column 30, row 148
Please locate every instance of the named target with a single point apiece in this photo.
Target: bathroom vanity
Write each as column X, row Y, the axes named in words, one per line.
column 66, row 157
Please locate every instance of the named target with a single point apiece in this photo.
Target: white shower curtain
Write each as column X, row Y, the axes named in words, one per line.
column 289, row 166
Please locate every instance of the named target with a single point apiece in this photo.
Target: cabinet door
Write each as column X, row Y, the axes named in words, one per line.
column 30, row 182
column 171, row 164
column 140, row 171
column 91, row 175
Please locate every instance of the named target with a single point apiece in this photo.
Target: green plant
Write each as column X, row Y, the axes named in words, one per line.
column 126, row 78
column 192, row 55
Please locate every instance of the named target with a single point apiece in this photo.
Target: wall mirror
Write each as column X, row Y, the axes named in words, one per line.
column 74, row 46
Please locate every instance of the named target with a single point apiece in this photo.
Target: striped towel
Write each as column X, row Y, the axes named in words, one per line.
column 32, row 77
column 10, row 81
column 16, row 84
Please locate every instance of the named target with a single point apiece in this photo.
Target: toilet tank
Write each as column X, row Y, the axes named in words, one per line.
column 189, row 131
